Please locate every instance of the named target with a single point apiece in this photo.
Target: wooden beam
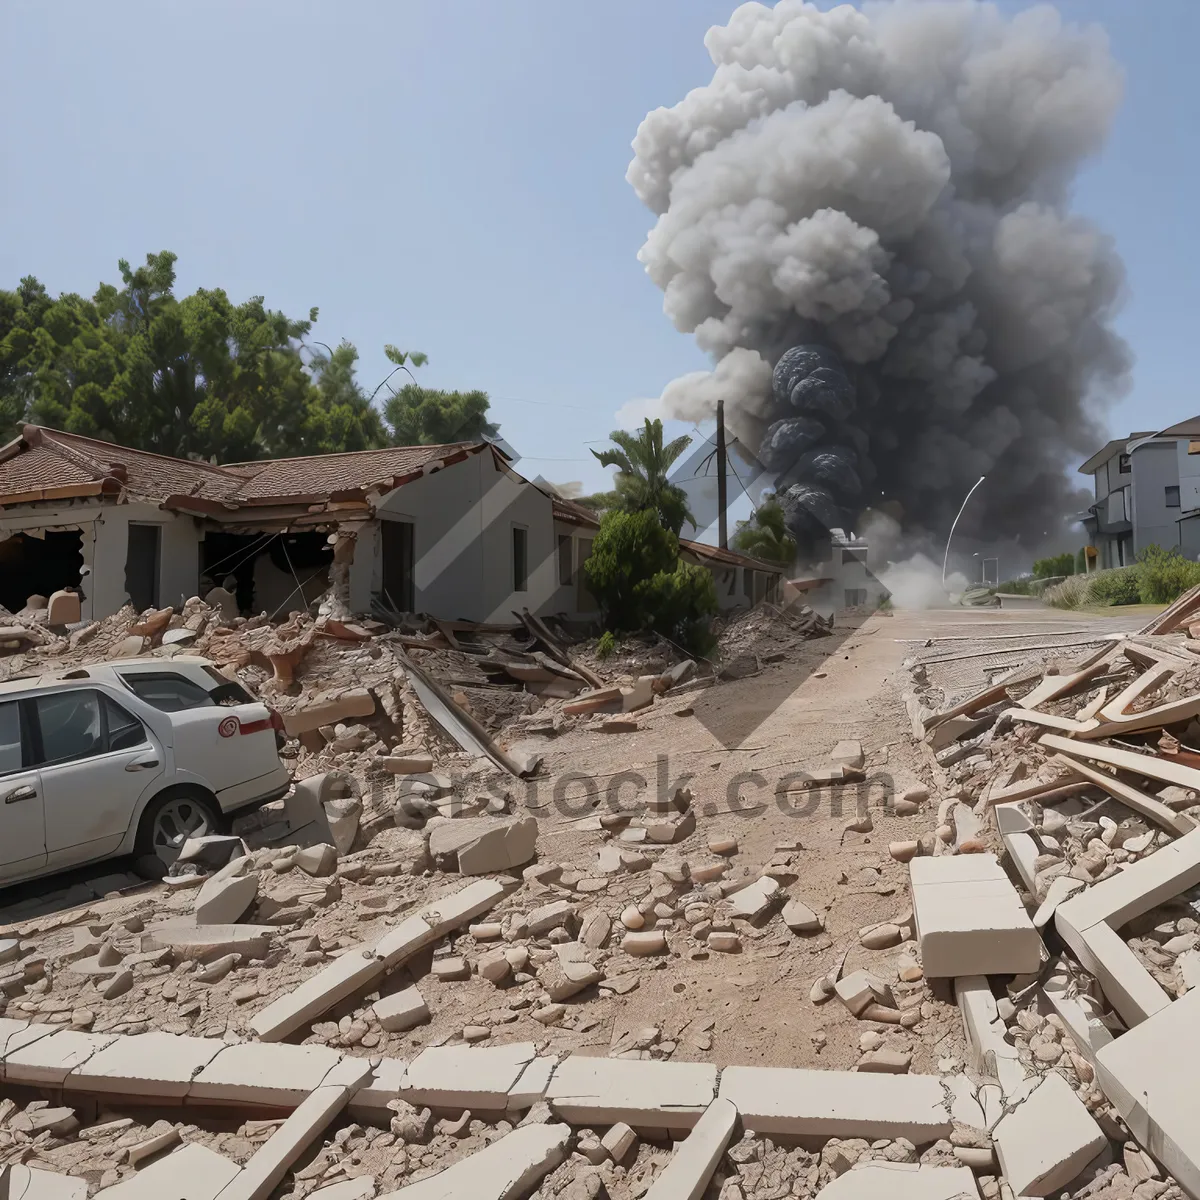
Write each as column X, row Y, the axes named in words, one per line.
column 991, row 695
column 1054, row 686
column 1050, row 720
column 1151, row 766
column 1149, row 807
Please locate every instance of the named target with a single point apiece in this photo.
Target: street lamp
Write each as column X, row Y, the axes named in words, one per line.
column 946, row 557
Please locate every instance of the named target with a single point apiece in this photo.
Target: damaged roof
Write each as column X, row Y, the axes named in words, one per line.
column 342, row 475
column 48, row 464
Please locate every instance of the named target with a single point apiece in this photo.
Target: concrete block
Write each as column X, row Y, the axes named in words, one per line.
column 267, row 1074
column 361, row 1187
column 369, row 1103
column 398, row 945
column 483, row 845
column 1047, row 1140
column 901, row 1181
column 318, row 860
column 861, row 988
column 401, row 1010
column 991, row 1054
column 268, row 1165
column 62, row 608
column 695, row 1159
column 146, row 1064
column 532, row 1085
column 1150, row 1076
column 199, row 941
column 348, row 975
column 642, row 1093
column 838, row 1103
column 506, row 1170
column 969, row 918
column 449, row 912
column 51, row 1059
column 466, row 1077
column 356, row 702
column 753, row 901
column 18, row 1182
column 223, row 900
column 193, row 1172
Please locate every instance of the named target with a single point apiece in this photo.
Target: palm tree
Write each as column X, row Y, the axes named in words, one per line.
column 643, row 464
column 766, row 536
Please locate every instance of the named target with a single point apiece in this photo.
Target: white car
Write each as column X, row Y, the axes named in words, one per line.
column 128, row 757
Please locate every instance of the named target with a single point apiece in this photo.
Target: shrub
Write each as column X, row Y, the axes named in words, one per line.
column 678, row 603
column 1059, row 564
column 630, row 548
column 1021, row 586
column 606, row 646
column 1116, row 586
column 1164, row 575
column 640, row 581
column 1119, row 586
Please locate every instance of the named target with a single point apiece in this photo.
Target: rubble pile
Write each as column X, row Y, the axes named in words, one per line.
column 408, row 978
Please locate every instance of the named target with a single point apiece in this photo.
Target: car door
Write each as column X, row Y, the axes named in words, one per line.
column 96, row 760
column 22, row 817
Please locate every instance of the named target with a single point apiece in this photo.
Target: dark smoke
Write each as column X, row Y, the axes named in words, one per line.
column 864, row 218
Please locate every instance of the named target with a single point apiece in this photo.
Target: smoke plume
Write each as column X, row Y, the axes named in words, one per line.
column 864, row 219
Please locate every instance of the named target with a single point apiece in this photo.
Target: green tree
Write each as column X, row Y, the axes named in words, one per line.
column 197, row 377
column 765, row 535
column 643, row 476
column 1081, row 561
column 420, row 416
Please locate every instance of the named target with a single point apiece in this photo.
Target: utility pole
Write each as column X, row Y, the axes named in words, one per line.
column 723, row 532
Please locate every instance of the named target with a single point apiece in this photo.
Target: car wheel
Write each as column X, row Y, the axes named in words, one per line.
column 172, row 818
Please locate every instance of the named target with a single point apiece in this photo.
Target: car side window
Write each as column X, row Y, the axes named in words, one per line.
column 124, row 729
column 166, row 692
column 10, row 738
column 70, row 725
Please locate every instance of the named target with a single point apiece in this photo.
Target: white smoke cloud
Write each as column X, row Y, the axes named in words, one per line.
column 894, row 183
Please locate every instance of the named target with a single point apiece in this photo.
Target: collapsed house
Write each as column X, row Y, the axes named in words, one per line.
column 450, row 530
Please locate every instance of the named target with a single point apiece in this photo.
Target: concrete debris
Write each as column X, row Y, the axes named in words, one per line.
column 483, row 845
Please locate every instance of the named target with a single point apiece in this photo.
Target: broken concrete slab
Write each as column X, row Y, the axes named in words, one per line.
column 466, row 1077
column 269, row 1163
column 352, row 703
column 50, row 1060
column 224, row 899
column 266, row 1074
column 193, row 1172
column 901, row 1181
column 361, row 965
column 1047, row 1139
column 992, row 1054
column 506, row 1170
column 146, row 1064
column 19, row 1182
column 200, row 941
column 969, row 918
column 754, row 901
column 1150, row 1075
column 849, row 753
column 531, row 1087
column 483, row 845
column 449, row 912
column 642, row 1093
column 802, row 1103
column 369, row 1103
column 348, row 975
column 695, row 1159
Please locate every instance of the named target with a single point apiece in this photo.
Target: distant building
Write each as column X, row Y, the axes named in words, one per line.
column 843, row 580
column 1147, row 489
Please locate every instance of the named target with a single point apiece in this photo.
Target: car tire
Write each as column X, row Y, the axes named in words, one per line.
column 172, row 817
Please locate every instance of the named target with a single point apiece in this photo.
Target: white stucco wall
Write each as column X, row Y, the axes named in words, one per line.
column 105, row 529
column 463, row 517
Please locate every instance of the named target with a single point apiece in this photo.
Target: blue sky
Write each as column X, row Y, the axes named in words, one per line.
column 450, row 177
